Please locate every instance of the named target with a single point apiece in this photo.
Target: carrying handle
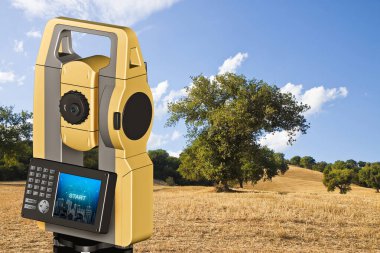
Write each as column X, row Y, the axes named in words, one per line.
column 123, row 43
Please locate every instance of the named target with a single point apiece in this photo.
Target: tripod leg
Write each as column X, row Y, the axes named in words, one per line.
column 116, row 250
column 62, row 249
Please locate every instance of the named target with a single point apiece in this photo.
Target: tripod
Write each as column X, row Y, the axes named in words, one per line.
column 70, row 244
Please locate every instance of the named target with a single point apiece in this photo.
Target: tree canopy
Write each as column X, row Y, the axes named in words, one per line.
column 370, row 176
column 295, row 160
column 307, row 162
column 338, row 176
column 226, row 116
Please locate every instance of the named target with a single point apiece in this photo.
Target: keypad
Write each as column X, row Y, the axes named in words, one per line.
column 39, row 185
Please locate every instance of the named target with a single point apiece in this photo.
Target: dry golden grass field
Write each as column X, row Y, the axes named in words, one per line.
column 294, row 213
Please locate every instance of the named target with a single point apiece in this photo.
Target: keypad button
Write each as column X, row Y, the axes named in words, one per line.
column 28, row 191
column 43, row 182
column 51, row 177
column 38, row 174
column 43, row 188
column 39, row 169
column 32, row 167
column 35, row 193
column 36, row 187
column 44, row 176
column 50, row 184
column 30, row 180
column 46, row 170
column 43, row 206
column 27, row 206
column 30, row 201
column 49, row 190
column 37, row 181
column 31, row 174
column 30, row 186
column 42, row 194
column 52, row 171
column 48, row 195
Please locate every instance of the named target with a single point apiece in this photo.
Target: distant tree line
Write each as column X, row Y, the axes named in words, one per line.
column 15, row 143
column 341, row 174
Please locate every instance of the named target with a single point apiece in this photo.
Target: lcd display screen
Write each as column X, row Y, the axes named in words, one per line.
column 77, row 198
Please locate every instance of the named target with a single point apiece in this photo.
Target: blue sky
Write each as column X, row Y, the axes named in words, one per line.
column 326, row 53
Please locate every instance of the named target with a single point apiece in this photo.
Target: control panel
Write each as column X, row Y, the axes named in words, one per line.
column 69, row 195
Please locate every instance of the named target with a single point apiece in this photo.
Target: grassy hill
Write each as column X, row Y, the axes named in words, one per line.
column 301, row 180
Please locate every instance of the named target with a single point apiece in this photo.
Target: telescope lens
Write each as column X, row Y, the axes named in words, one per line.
column 74, row 107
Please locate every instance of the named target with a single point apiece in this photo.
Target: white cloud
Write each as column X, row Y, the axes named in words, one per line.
column 315, row 97
column 7, row 77
column 278, row 141
column 18, row 46
column 162, row 97
column 160, row 140
column 11, row 77
column 231, row 64
column 34, row 34
column 174, row 153
column 122, row 12
column 160, row 90
column 157, row 141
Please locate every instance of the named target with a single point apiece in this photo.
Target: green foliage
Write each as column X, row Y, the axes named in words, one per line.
column 225, row 117
column 370, row 176
column 170, row 181
column 351, row 164
column 165, row 166
column 361, row 164
column 295, row 160
column 90, row 159
column 15, row 143
column 336, row 176
column 307, row 162
column 320, row 166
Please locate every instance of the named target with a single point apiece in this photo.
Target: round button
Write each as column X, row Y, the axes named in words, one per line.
column 43, row 206
column 74, row 107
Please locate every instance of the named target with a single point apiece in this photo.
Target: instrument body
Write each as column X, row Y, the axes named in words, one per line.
column 111, row 87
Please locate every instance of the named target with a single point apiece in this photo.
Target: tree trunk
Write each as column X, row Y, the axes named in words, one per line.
column 222, row 187
column 225, row 187
column 377, row 190
column 241, row 183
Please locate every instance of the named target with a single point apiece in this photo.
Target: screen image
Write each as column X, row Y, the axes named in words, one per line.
column 77, row 198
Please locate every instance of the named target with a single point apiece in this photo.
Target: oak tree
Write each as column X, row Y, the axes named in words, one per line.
column 226, row 116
